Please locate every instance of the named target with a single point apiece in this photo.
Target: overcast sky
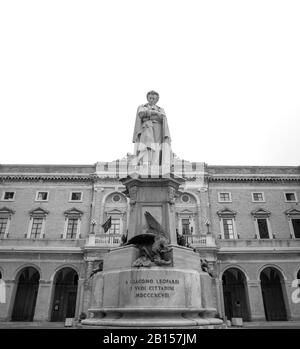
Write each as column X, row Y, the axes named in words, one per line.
column 72, row 74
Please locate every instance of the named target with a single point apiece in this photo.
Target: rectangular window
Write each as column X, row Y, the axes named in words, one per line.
column 228, row 228
column 3, row 225
column 224, row 197
column 115, row 226
column 36, row 228
column 9, row 195
column 72, row 228
column 41, row 196
column 185, row 226
column 290, row 197
column 76, row 196
column 263, row 228
column 258, row 197
column 296, row 227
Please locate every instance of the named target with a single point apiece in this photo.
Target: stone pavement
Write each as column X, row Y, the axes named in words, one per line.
column 272, row 324
column 32, row 325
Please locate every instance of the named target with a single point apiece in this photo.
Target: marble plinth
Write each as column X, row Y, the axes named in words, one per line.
column 153, row 297
column 176, row 296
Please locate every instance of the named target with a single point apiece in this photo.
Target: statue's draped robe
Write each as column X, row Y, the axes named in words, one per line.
column 152, row 135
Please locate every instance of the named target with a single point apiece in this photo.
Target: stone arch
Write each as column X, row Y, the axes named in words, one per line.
column 119, row 213
column 24, row 266
column 65, row 265
column 236, row 266
column 235, row 293
column 27, row 287
column 191, row 194
column 273, row 293
column 106, row 196
column 64, row 294
column 269, row 265
column 187, row 215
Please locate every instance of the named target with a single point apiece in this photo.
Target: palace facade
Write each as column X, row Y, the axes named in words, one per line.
column 244, row 220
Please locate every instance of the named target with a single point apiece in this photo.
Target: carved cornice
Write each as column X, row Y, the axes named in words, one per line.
column 226, row 213
column 73, row 212
column 6, row 211
column 260, row 212
column 38, row 212
column 45, row 177
column 252, row 178
column 292, row 212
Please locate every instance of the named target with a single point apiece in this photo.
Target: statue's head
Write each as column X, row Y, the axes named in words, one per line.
column 152, row 97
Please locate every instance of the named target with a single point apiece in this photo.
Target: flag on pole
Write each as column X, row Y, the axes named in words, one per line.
column 106, row 226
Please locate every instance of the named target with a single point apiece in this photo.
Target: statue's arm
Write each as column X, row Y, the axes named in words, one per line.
column 162, row 112
column 142, row 111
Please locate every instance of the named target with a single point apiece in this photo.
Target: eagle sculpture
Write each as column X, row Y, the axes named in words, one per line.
column 153, row 245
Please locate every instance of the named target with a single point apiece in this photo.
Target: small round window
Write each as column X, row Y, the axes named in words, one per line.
column 185, row 198
column 116, row 198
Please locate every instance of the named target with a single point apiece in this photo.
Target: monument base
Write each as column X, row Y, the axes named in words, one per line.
column 154, row 297
column 158, row 318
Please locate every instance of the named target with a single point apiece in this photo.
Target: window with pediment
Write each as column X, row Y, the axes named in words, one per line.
column 37, row 222
column 186, row 222
column 294, row 222
column 72, row 224
column 5, row 218
column 116, row 208
column 186, row 212
column 262, row 224
column 227, row 224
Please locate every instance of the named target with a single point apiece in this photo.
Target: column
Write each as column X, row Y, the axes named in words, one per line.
column 42, row 307
column 257, row 312
column 87, row 287
column 287, row 290
column 79, row 299
column 220, row 298
column 6, row 308
column 199, row 220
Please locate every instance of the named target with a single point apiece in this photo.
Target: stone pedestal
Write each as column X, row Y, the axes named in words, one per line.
column 178, row 295
column 157, row 196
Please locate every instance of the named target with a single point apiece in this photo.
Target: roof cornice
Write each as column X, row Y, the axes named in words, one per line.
column 253, row 178
column 44, row 177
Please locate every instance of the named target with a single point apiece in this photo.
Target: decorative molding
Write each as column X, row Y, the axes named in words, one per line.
column 292, row 212
column 252, row 178
column 73, row 212
column 261, row 212
column 6, row 211
column 45, row 177
column 226, row 213
column 38, row 212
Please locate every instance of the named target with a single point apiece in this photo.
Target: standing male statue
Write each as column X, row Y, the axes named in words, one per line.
column 151, row 134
